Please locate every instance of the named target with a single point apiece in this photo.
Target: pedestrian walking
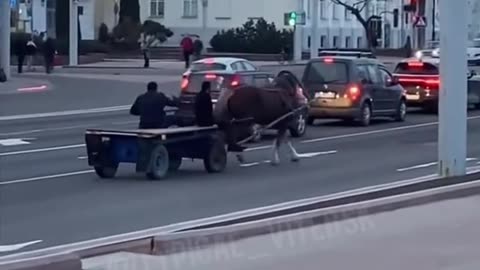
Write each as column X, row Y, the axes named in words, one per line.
column 187, row 49
column 197, row 49
column 145, row 44
column 31, row 53
column 20, row 49
column 49, row 52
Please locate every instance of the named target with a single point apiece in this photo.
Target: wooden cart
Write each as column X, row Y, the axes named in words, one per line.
column 155, row 151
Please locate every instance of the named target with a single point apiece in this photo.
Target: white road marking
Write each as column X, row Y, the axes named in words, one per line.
column 31, row 151
column 13, row 142
column 15, row 247
column 425, row 165
column 263, row 147
column 82, row 157
column 302, row 155
column 378, row 131
column 32, row 179
column 64, row 113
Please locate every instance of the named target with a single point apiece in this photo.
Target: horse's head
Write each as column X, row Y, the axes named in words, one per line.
column 288, row 81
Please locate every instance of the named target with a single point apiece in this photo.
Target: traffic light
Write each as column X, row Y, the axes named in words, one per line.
column 395, row 18
column 292, row 18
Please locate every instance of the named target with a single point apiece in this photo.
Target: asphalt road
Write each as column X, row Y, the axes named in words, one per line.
column 48, row 192
column 438, row 236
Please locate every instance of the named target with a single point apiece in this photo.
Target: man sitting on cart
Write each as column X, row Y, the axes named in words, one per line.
column 150, row 106
column 204, row 106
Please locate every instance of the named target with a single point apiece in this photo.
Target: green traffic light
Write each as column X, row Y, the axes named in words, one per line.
column 291, row 22
column 293, row 15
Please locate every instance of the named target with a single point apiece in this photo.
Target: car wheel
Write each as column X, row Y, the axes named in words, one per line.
column 401, row 112
column 365, row 114
column 300, row 127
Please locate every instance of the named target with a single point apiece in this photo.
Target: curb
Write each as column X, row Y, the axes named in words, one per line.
column 204, row 236
column 55, row 262
column 192, row 240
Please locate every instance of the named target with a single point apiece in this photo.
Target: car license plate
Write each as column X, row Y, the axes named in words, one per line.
column 413, row 96
column 325, row 95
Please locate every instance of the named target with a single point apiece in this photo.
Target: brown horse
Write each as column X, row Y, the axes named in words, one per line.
column 274, row 107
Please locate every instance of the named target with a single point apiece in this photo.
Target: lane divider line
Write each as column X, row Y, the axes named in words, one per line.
column 426, row 165
column 40, row 150
column 32, row 179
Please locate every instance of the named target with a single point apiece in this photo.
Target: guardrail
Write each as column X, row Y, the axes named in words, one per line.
column 160, row 241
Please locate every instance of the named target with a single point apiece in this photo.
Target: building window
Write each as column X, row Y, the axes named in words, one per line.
column 157, row 8
column 347, row 42
column 335, row 11
column 335, row 42
column 359, row 42
column 323, row 9
column 190, row 8
column 323, row 41
column 348, row 14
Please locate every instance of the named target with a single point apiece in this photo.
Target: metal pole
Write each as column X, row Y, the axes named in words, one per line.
column 434, row 7
column 297, row 36
column 73, row 47
column 315, row 40
column 5, row 37
column 452, row 130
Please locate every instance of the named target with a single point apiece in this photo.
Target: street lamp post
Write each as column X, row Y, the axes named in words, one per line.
column 298, row 35
column 73, row 37
column 314, row 40
column 5, row 36
column 452, row 130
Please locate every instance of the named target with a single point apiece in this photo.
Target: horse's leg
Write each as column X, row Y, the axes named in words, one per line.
column 295, row 156
column 279, row 139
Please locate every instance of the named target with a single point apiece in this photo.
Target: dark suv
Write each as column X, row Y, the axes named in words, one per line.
column 352, row 88
column 191, row 84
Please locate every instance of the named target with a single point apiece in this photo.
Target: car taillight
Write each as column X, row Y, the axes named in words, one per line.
column 328, row 60
column 428, row 82
column 184, row 83
column 415, row 64
column 210, row 76
column 235, row 81
column 353, row 92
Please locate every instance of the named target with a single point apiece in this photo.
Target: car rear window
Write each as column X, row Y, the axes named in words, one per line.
column 208, row 66
column 217, row 82
column 322, row 72
column 420, row 68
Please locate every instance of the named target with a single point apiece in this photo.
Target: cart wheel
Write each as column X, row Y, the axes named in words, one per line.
column 216, row 159
column 106, row 172
column 159, row 163
column 174, row 163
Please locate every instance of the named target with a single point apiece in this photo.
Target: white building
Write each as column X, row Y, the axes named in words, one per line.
column 92, row 13
column 337, row 28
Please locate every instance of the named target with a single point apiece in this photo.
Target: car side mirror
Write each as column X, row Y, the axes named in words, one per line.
column 392, row 82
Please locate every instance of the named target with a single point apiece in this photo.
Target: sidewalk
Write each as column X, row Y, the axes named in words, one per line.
column 17, row 84
column 437, row 236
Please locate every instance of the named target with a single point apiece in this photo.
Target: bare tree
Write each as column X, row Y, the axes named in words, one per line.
column 356, row 9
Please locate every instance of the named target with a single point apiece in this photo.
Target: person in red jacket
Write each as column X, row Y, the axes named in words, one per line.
column 187, row 48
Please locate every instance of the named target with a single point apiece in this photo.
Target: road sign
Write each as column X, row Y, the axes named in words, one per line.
column 420, row 21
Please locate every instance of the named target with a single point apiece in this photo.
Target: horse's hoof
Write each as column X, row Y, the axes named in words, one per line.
column 240, row 159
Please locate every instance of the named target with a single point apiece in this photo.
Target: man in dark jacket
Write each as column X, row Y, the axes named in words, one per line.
column 150, row 106
column 20, row 51
column 204, row 106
